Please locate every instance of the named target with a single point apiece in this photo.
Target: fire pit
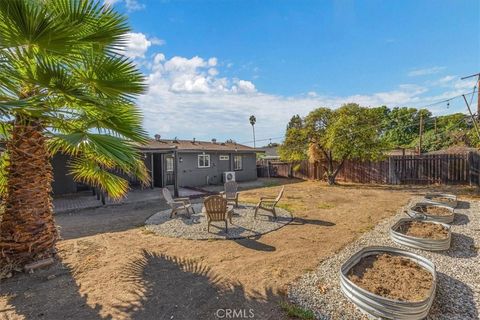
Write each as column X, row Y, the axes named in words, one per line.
column 442, row 198
column 389, row 283
column 432, row 212
column 425, row 235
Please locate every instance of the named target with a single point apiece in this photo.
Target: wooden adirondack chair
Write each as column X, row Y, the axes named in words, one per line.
column 177, row 204
column 230, row 192
column 269, row 203
column 216, row 209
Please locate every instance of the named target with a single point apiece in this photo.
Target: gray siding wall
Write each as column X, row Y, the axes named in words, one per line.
column 190, row 175
column 62, row 182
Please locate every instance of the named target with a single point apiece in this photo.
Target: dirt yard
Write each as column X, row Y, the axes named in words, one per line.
column 111, row 268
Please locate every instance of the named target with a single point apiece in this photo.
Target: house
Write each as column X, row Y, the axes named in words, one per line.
column 179, row 163
column 270, row 153
column 195, row 163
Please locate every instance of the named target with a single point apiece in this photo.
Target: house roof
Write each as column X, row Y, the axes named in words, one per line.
column 454, row 150
column 190, row 145
column 270, row 153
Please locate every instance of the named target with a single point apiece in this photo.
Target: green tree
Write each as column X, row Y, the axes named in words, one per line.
column 63, row 88
column 402, row 126
column 350, row 132
column 295, row 145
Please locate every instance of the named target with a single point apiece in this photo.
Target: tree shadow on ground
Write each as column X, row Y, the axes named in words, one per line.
column 159, row 287
column 165, row 287
column 454, row 299
column 47, row 294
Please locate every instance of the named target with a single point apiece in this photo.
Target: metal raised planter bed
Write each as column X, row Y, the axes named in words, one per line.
column 378, row 306
column 430, row 197
column 420, row 243
column 430, row 217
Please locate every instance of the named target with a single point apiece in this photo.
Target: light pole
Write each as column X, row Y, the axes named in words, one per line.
column 252, row 122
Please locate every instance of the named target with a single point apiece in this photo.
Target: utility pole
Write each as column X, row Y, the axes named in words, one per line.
column 471, row 115
column 478, row 88
column 421, row 134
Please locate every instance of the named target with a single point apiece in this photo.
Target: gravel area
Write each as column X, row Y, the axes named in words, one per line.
column 458, row 271
column 195, row 228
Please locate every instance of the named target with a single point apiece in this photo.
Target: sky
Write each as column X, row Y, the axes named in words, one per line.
column 211, row 64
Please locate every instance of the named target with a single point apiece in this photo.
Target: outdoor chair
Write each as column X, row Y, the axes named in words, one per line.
column 230, row 192
column 216, row 209
column 177, row 204
column 269, row 203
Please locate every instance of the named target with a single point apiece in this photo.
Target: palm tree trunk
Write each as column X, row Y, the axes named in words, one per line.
column 27, row 230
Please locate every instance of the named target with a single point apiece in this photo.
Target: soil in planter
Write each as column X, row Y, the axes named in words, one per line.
column 443, row 199
column 424, row 230
column 433, row 210
column 392, row 277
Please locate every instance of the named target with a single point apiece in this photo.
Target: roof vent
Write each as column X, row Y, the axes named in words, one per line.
column 214, row 140
column 158, row 137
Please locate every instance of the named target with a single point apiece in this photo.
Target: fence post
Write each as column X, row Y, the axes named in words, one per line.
column 392, row 178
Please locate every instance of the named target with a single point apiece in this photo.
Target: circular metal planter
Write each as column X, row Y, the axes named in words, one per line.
column 420, row 243
column 378, row 306
column 431, row 217
column 430, row 197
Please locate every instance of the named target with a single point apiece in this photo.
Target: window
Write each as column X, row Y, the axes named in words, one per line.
column 169, row 163
column 237, row 163
column 224, row 157
column 203, row 160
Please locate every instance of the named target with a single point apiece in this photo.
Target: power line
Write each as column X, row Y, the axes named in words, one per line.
column 397, row 118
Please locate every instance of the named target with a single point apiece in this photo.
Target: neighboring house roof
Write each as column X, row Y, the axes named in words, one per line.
column 401, row 152
column 190, row 145
column 271, row 153
column 454, row 150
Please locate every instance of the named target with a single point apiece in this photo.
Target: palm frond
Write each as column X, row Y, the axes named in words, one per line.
column 4, row 161
column 90, row 172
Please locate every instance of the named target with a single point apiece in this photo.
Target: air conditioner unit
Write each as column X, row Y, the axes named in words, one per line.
column 229, row 176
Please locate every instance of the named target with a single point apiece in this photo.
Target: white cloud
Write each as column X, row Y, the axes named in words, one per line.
column 189, row 98
column 424, row 71
column 131, row 5
column 137, row 44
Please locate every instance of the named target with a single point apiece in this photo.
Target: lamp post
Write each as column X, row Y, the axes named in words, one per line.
column 252, row 122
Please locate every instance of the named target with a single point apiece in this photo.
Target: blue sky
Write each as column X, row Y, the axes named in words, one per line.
column 210, row 64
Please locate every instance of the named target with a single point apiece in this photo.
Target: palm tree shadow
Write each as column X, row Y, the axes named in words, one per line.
column 165, row 287
column 47, row 294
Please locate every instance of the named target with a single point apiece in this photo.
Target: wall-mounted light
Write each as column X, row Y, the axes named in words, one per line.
column 180, row 159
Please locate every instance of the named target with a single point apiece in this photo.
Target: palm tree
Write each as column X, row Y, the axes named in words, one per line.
column 253, row 120
column 63, row 88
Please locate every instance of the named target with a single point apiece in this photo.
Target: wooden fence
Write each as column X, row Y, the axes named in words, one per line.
column 419, row 169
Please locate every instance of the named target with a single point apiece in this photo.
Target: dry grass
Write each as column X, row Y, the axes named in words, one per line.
column 326, row 219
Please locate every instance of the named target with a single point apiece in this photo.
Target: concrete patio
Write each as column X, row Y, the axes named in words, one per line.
column 86, row 200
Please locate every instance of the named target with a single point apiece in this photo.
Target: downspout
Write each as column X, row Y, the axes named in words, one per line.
column 152, row 184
